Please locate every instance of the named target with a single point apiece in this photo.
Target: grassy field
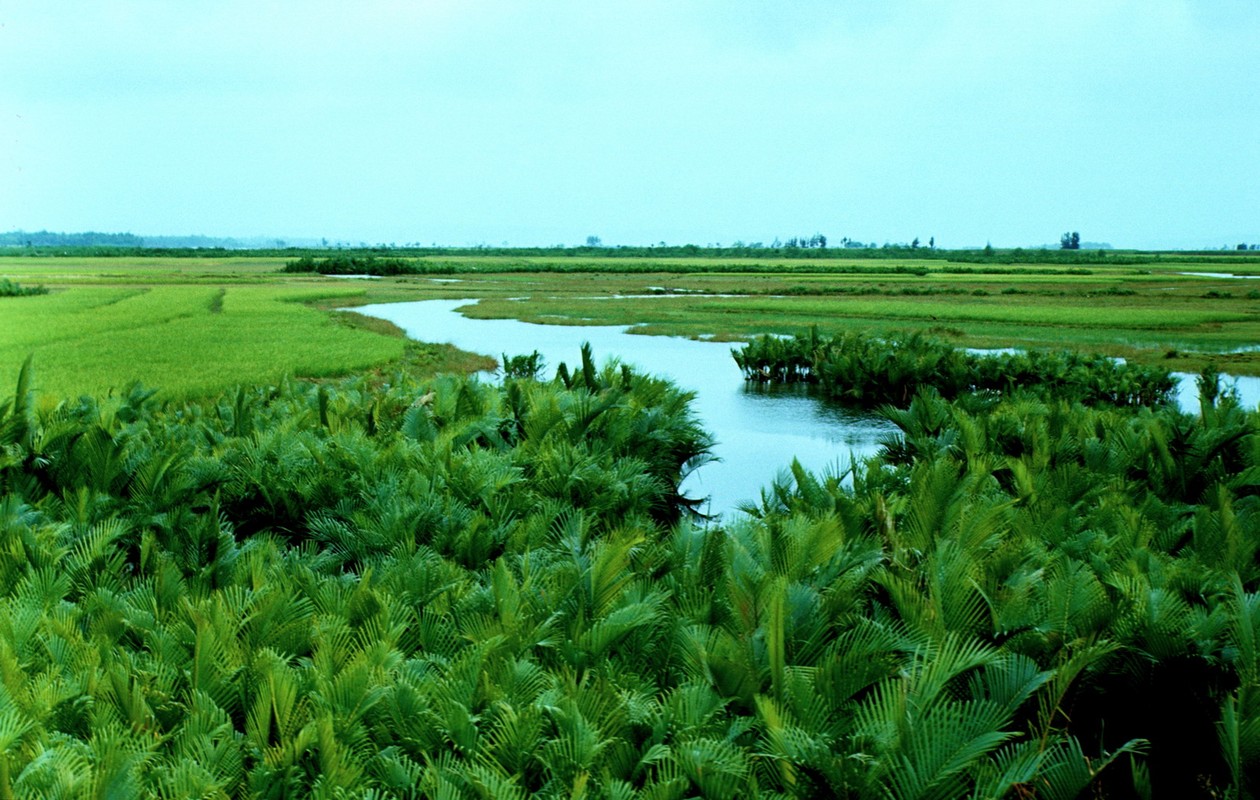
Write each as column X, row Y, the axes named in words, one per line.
column 189, row 339
column 198, row 325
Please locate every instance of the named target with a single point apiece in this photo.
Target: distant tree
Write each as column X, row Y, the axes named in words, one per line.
column 988, row 249
column 86, row 239
column 1070, row 241
column 932, row 242
column 1242, row 247
column 915, row 244
column 594, row 241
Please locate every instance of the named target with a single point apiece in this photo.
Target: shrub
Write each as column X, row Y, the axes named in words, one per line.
column 366, row 265
column 869, row 371
column 10, row 288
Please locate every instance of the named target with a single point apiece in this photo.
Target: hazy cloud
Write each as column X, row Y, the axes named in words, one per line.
column 970, row 120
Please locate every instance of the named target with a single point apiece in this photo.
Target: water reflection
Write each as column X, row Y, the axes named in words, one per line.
column 1187, row 392
column 759, row 429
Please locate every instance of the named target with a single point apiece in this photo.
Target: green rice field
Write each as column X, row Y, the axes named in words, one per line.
column 199, row 325
column 190, row 339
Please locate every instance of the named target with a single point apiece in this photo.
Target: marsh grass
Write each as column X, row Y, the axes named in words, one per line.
column 1122, row 318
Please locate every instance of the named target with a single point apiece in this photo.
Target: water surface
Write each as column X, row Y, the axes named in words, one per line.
column 1220, row 275
column 1187, row 392
column 758, row 430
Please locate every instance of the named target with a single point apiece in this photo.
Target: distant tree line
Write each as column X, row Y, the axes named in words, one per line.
column 87, row 239
column 130, row 241
column 816, row 241
column 597, row 257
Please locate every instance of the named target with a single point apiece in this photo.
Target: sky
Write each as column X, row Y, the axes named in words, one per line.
column 465, row 122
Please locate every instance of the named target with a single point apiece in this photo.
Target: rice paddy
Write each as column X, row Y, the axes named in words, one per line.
column 188, row 339
column 198, row 325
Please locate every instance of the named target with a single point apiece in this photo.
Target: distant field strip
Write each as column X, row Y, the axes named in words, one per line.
column 89, row 338
column 1031, row 313
column 200, row 324
column 953, row 309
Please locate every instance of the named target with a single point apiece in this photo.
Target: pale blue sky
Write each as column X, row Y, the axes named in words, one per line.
column 1136, row 122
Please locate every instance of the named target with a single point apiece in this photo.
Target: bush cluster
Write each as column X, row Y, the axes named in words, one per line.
column 866, row 370
column 366, row 265
column 10, row 288
column 455, row 589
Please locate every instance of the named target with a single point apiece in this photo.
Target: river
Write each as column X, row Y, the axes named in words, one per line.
column 759, row 430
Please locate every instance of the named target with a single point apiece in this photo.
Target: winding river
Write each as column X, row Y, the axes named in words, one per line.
column 758, row 430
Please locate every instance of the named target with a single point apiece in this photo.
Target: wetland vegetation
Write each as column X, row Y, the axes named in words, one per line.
column 261, row 580
column 1148, row 312
column 863, row 370
column 452, row 588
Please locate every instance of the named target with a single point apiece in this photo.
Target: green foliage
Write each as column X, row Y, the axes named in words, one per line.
column 523, row 365
column 348, row 264
column 456, row 589
column 868, row 371
column 10, row 288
